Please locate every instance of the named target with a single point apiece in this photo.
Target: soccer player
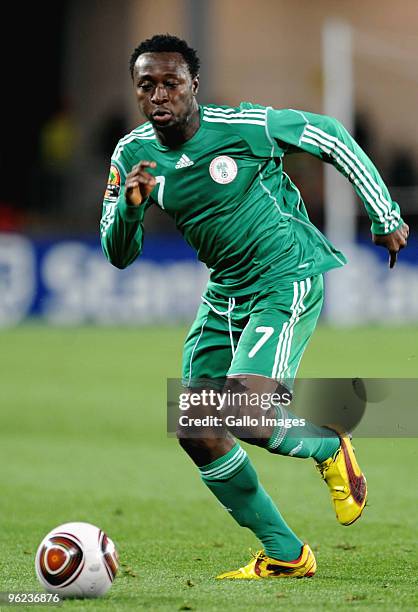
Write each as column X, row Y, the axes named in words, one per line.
column 217, row 171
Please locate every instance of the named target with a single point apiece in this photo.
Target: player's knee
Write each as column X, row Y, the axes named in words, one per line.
column 201, row 444
column 244, row 411
column 204, row 450
column 236, row 409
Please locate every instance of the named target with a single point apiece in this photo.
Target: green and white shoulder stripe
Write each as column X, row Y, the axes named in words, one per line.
column 144, row 132
column 231, row 115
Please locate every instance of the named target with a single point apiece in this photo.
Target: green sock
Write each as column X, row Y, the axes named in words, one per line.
column 233, row 480
column 307, row 441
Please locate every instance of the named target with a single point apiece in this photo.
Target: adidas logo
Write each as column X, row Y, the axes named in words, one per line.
column 184, row 162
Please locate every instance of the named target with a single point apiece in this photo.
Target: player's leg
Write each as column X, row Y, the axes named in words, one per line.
column 233, row 480
column 223, row 464
column 269, row 352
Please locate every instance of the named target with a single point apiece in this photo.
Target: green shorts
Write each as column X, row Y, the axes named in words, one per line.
column 265, row 333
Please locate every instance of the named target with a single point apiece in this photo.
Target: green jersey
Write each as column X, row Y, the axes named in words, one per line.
column 227, row 192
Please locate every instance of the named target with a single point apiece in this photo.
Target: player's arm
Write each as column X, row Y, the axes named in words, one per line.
column 124, row 205
column 326, row 138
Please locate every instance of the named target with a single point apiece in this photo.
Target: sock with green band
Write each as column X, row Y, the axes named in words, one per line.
column 307, row 441
column 233, row 480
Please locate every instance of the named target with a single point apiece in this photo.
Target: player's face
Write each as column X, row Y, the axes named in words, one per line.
column 164, row 89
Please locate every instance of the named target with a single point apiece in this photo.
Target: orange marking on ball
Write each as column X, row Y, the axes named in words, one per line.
column 56, row 558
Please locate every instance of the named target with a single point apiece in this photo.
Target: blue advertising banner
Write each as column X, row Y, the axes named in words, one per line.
column 70, row 282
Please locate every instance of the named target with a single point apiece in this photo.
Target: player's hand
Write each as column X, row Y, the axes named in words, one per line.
column 393, row 242
column 139, row 183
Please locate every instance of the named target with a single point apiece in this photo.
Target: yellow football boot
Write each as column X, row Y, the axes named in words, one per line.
column 262, row 566
column 345, row 480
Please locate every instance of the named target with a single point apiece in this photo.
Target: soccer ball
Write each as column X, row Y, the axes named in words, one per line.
column 76, row 560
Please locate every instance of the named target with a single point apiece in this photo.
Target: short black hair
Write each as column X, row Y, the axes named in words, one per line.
column 167, row 43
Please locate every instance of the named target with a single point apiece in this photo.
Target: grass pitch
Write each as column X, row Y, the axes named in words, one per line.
column 82, row 437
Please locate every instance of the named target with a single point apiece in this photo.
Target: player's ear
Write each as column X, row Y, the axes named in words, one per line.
column 195, row 85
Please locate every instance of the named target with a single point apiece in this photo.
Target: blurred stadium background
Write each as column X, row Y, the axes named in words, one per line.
column 69, row 99
column 82, row 408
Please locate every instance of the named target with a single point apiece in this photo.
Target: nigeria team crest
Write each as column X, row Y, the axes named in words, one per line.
column 223, row 169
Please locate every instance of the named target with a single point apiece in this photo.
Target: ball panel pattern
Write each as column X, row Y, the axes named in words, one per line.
column 61, row 560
